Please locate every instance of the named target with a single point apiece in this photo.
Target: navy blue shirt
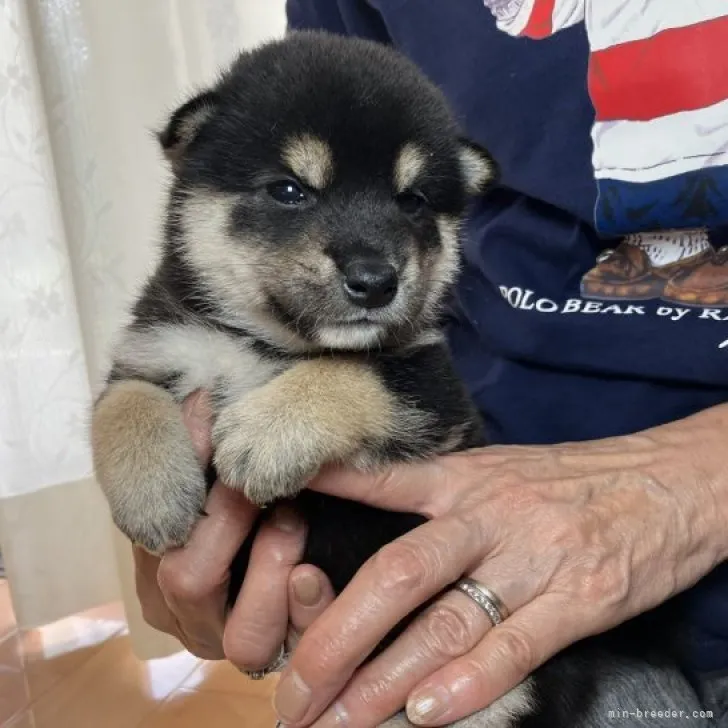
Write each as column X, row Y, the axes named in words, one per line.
column 545, row 362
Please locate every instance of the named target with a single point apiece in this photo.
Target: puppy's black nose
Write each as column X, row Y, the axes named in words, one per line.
column 370, row 283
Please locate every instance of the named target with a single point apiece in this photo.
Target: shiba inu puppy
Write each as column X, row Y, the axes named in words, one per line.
column 311, row 235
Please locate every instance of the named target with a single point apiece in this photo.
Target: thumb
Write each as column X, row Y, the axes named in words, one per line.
column 408, row 488
column 197, row 417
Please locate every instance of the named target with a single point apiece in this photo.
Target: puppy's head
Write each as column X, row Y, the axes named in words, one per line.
column 318, row 190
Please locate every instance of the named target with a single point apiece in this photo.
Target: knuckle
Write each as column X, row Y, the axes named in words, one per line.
column 516, row 648
column 447, row 632
column 182, row 585
column 401, row 568
column 373, row 693
column 603, row 583
column 565, row 533
column 248, row 648
column 322, row 653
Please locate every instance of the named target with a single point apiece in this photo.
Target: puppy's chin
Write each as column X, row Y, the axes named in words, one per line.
column 351, row 336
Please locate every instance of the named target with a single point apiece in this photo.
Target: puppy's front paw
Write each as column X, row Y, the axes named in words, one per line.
column 268, row 452
column 163, row 512
column 146, row 466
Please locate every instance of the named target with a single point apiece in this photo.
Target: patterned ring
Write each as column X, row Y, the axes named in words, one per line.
column 485, row 598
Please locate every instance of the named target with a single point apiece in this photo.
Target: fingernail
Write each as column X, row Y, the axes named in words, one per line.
column 286, row 519
column 307, row 589
column 431, row 704
column 292, row 698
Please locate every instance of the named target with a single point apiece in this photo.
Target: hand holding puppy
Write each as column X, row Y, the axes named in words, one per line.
column 574, row 539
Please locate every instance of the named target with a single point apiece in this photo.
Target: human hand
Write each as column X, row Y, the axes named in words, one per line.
column 574, row 539
column 184, row 593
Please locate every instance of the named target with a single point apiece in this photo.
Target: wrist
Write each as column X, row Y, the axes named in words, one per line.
column 693, row 464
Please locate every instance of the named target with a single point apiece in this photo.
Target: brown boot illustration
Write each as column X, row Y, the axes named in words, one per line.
column 704, row 285
column 627, row 273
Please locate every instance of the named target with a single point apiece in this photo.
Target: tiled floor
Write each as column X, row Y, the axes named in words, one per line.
column 81, row 673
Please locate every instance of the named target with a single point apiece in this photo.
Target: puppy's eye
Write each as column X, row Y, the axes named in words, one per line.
column 287, row 192
column 411, row 202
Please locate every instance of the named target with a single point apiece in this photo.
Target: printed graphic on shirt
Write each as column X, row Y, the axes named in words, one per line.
column 526, row 299
column 658, row 80
column 660, row 275
column 680, row 268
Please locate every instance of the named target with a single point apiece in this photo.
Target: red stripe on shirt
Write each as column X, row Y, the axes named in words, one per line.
column 540, row 22
column 680, row 69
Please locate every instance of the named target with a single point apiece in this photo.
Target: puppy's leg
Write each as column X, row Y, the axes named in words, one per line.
column 319, row 411
column 146, row 465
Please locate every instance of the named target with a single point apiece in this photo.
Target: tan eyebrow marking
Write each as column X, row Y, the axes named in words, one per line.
column 310, row 159
column 409, row 164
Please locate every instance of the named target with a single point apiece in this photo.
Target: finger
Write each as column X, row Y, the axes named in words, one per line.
column 154, row 608
column 402, row 576
column 429, row 488
column 500, row 662
column 197, row 417
column 309, row 594
column 194, row 579
column 448, row 629
column 412, row 488
column 257, row 625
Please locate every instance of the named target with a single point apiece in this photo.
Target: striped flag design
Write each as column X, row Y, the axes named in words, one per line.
column 658, row 79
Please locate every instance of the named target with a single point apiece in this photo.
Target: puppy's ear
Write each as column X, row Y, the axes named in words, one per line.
column 479, row 169
column 184, row 125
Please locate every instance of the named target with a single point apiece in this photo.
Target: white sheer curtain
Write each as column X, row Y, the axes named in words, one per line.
column 82, row 83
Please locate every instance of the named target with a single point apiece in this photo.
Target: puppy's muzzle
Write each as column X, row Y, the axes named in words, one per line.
column 370, row 283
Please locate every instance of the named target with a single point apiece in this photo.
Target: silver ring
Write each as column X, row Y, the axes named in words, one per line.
column 485, row 599
column 276, row 666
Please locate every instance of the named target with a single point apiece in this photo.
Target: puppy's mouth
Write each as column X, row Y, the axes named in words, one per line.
column 374, row 329
column 342, row 330
column 362, row 324
column 379, row 317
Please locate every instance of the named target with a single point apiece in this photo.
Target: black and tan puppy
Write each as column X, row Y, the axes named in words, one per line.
column 310, row 238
